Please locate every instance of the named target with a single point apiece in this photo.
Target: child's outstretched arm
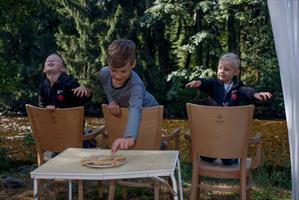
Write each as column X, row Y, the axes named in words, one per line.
column 81, row 91
column 193, row 84
column 262, row 96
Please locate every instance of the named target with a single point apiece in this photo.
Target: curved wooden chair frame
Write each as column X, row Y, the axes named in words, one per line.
column 149, row 138
column 222, row 132
column 58, row 130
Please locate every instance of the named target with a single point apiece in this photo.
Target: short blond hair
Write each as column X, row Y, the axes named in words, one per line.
column 120, row 52
column 233, row 58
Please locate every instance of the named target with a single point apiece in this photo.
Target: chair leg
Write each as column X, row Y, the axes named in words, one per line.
column 190, row 152
column 156, row 190
column 248, row 186
column 170, row 183
column 194, row 186
column 242, row 180
column 80, row 190
column 124, row 192
column 248, row 194
column 39, row 188
column 198, row 189
column 112, row 190
column 242, row 194
column 100, row 189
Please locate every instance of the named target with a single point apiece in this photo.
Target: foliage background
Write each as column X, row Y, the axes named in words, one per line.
column 177, row 41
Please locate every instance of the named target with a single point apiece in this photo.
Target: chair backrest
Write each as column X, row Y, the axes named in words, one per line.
column 220, row 132
column 56, row 130
column 149, row 132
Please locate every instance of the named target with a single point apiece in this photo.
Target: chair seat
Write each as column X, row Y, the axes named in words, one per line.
column 217, row 170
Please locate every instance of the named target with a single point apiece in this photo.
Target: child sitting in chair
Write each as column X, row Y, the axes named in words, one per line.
column 226, row 90
column 60, row 90
column 124, row 88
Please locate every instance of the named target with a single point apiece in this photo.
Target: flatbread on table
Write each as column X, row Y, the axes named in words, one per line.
column 103, row 161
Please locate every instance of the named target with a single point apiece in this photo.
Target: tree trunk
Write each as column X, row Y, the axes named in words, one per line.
column 233, row 32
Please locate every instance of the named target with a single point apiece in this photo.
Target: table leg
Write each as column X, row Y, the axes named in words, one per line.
column 111, row 189
column 174, row 186
column 70, row 189
column 80, row 190
column 35, row 189
column 100, row 189
column 180, row 178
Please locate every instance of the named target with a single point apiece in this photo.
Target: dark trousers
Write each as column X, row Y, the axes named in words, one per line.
column 224, row 161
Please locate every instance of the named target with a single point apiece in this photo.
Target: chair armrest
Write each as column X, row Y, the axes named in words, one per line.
column 256, row 161
column 187, row 135
column 175, row 135
column 94, row 134
column 256, row 139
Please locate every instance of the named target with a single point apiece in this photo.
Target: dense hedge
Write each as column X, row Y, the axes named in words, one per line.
column 176, row 41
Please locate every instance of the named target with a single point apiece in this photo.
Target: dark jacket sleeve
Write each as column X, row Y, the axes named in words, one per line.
column 247, row 93
column 207, row 85
column 70, row 84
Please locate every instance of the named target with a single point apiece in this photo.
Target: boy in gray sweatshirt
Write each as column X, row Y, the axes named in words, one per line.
column 124, row 88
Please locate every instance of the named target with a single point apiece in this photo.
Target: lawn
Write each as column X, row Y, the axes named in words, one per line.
column 272, row 180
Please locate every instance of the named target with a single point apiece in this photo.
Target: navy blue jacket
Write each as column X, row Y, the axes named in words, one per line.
column 215, row 89
column 60, row 94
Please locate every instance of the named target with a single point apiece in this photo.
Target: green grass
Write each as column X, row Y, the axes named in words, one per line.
column 269, row 183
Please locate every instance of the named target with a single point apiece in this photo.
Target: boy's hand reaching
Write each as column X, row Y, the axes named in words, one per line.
column 193, row 84
column 114, row 108
column 81, row 91
column 121, row 143
column 263, row 96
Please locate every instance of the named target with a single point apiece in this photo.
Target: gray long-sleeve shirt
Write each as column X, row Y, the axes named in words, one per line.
column 132, row 95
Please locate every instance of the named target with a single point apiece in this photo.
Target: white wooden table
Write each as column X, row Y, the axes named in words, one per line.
column 140, row 164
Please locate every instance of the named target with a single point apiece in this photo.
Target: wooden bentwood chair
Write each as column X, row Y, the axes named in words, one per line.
column 149, row 138
column 58, row 130
column 222, row 132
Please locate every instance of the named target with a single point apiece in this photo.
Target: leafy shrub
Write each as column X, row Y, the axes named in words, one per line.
column 178, row 95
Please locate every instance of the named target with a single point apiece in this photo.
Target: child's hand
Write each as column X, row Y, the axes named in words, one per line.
column 114, row 108
column 193, row 84
column 81, row 91
column 50, row 107
column 263, row 96
column 121, row 143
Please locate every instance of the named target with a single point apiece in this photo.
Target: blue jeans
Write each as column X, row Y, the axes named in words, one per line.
column 92, row 143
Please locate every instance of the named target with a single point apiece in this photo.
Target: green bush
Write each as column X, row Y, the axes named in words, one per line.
column 178, row 95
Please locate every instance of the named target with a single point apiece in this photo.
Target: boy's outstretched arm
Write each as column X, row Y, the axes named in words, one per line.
column 263, row 96
column 122, row 143
column 193, row 84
